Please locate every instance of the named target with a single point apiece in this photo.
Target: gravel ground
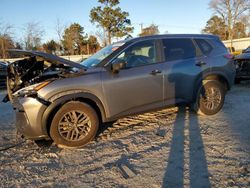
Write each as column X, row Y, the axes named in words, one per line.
column 168, row 148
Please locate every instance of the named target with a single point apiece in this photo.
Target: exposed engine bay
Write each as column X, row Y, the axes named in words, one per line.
column 37, row 67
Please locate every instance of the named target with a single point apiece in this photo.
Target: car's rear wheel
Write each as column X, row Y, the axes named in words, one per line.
column 210, row 98
column 74, row 125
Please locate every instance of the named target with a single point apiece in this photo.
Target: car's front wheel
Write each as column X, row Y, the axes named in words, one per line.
column 74, row 125
column 210, row 98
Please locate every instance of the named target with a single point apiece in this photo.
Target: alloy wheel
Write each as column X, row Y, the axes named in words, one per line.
column 74, row 126
column 212, row 98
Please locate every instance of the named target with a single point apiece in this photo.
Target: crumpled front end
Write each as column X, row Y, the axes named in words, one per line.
column 29, row 113
column 25, row 78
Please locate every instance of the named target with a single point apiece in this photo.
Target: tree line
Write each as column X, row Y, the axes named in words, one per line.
column 229, row 21
column 72, row 40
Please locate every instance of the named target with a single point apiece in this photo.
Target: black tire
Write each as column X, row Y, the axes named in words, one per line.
column 66, row 129
column 205, row 106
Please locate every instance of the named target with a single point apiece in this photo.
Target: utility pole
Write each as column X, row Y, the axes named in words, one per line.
column 141, row 24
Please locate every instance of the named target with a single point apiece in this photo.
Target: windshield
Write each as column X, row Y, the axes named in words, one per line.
column 100, row 55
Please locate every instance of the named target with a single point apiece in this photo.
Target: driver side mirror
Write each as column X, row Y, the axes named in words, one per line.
column 117, row 65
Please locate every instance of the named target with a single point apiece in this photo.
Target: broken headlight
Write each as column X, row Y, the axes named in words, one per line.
column 31, row 90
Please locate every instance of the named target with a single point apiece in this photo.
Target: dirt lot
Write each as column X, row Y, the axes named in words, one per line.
column 169, row 148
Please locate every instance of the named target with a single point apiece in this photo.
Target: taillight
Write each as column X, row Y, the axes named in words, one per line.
column 229, row 56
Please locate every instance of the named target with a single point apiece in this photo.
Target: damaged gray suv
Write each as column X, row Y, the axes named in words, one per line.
column 67, row 102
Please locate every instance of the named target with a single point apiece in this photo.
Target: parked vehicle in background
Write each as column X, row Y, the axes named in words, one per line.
column 3, row 74
column 243, row 66
column 67, row 102
column 233, row 52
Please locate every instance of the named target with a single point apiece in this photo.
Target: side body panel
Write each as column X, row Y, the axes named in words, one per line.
column 133, row 90
column 180, row 79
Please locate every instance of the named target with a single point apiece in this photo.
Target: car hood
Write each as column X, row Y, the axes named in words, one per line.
column 37, row 67
column 243, row 56
column 50, row 57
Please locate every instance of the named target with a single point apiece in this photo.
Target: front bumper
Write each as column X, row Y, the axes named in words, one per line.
column 29, row 113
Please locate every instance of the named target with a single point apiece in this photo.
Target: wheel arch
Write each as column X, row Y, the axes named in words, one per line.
column 219, row 77
column 216, row 76
column 87, row 98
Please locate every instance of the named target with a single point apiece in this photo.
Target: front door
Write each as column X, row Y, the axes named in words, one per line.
column 139, row 85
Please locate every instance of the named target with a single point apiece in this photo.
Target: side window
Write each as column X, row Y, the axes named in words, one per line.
column 141, row 53
column 205, row 47
column 177, row 49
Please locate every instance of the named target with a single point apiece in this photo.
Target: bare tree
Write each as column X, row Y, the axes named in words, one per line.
column 6, row 41
column 246, row 20
column 231, row 11
column 101, row 35
column 33, row 36
column 59, row 28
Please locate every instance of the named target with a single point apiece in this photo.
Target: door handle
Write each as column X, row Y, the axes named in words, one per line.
column 154, row 72
column 200, row 63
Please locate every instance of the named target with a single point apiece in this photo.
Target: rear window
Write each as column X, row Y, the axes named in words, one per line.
column 177, row 49
column 204, row 46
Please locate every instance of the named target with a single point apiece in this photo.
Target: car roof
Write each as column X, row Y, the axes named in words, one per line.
column 162, row 36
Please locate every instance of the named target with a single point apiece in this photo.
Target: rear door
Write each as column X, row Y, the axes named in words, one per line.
column 183, row 64
column 138, row 86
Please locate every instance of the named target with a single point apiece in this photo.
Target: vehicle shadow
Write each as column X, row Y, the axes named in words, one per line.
column 196, row 158
column 102, row 128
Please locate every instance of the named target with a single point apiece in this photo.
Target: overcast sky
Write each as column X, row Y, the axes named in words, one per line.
column 172, row 16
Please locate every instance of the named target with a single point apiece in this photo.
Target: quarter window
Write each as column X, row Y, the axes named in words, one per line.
column 141, row 53
column 205, row 47
column 177, row 49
